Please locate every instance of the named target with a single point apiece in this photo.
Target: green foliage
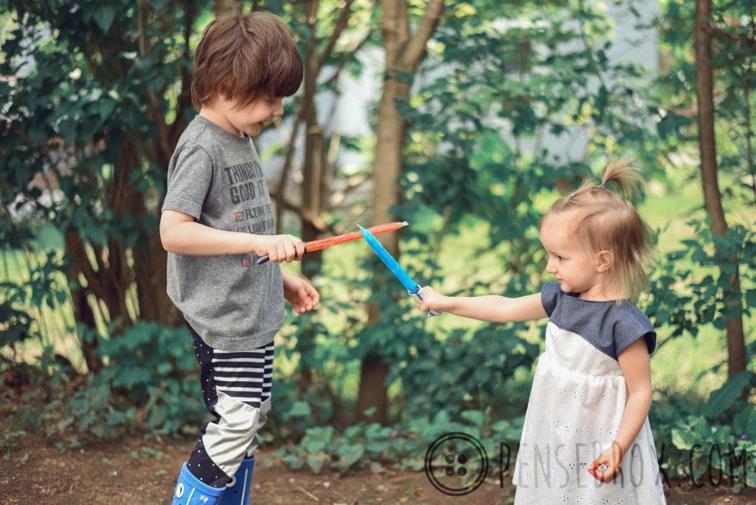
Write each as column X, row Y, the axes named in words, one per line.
column 403, row 446
column 96, row 106
column 17, row 322
column 714, row 438
column 151, row 381
column 150, row 385
column 689, row 282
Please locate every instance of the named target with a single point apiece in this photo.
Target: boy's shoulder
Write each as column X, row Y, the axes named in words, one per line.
column 197, row 133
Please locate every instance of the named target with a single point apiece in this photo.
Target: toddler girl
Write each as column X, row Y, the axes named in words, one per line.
column 586, row 437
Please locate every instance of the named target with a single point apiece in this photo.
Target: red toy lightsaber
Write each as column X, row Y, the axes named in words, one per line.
column 325, row 243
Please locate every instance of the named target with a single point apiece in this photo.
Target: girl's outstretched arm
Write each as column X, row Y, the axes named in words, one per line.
column 636, row 367
column 492, row 308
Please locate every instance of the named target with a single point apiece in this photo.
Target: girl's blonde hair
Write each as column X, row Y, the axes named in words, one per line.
column 607, row 220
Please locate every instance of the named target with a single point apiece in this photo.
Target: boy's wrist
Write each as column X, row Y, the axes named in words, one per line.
column 253, row 244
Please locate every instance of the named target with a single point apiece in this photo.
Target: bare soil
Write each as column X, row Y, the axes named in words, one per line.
column 135, row 472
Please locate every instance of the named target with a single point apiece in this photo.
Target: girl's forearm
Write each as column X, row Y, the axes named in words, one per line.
column 636, row 410
column 491, row 308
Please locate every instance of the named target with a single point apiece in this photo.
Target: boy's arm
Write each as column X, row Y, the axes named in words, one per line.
column 181, row 234
column 299, row 292
column 492, row 308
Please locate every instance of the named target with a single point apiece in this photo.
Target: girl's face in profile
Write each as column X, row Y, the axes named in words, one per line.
column 568, row 260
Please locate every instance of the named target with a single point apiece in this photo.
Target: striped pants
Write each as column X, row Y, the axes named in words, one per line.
column 236, row 390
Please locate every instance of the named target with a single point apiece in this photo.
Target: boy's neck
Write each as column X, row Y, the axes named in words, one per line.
column 219, row 119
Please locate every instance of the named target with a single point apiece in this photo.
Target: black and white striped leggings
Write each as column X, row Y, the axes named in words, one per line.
column 236, row 389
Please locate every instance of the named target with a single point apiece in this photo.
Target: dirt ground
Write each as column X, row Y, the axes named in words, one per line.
column 134, row 472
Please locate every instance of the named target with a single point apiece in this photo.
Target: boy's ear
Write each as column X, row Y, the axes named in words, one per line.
column 604, row 260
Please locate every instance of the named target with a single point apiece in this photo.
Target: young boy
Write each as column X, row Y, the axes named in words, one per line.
column 216, row 219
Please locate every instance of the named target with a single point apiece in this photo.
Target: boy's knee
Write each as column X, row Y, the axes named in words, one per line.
column 238, row 416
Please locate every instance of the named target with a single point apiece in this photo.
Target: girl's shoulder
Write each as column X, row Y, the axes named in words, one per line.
column 610, row 325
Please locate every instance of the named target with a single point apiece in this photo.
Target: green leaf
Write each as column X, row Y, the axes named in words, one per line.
column 683, row 439
column 475, row 417
column 106, row 107
column 349, row 455
column 104, row 15
column 317, row 460
column 300, row 409
column 721, row 399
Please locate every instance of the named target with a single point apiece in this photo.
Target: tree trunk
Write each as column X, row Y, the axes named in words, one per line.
column 314, row 184
column 150, row 274
column 402, row 54
column 312, row 174
column 736, row 354
column 83, row 314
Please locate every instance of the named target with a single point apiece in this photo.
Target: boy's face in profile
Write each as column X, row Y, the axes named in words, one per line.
column 252, row 117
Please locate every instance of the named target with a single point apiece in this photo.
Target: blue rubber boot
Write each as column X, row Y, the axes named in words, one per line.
column 238, row 491
column 192, row 491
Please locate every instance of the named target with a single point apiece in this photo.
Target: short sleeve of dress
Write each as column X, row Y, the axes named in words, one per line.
column 549, row 296
column 631, row 327
column 189, row 178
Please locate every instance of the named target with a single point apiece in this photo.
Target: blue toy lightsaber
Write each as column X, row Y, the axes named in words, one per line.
column 412, row 287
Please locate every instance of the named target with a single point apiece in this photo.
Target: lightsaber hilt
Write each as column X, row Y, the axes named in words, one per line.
column 418, row 297
column 264, row 259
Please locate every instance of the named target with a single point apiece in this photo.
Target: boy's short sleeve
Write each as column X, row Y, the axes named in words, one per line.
column 633, row 326
column 189, row 178
column 549, row 296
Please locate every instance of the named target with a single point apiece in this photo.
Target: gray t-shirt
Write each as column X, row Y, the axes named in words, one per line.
column 610, row 326
column 215, row 177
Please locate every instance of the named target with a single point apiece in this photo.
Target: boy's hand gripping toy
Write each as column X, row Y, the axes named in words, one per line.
column 412, row 287
column 319, row 245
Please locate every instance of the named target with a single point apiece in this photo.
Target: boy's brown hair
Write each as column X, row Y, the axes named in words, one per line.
column 245, row 57
column 607, row 220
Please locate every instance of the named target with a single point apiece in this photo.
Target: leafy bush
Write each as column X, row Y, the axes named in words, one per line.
column 150, row 384
column 709, row 439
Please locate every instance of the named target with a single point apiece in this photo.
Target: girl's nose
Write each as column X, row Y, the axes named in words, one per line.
column 550, row 268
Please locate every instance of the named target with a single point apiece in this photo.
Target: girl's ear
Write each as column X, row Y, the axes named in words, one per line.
column 604, row 260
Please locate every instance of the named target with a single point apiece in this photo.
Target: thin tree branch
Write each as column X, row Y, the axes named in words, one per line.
column 724, row 34
column 309, row 217
column 345, row 58
column 417, row 46
column 185, row 96
column 341, row 24
column 288, row 159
